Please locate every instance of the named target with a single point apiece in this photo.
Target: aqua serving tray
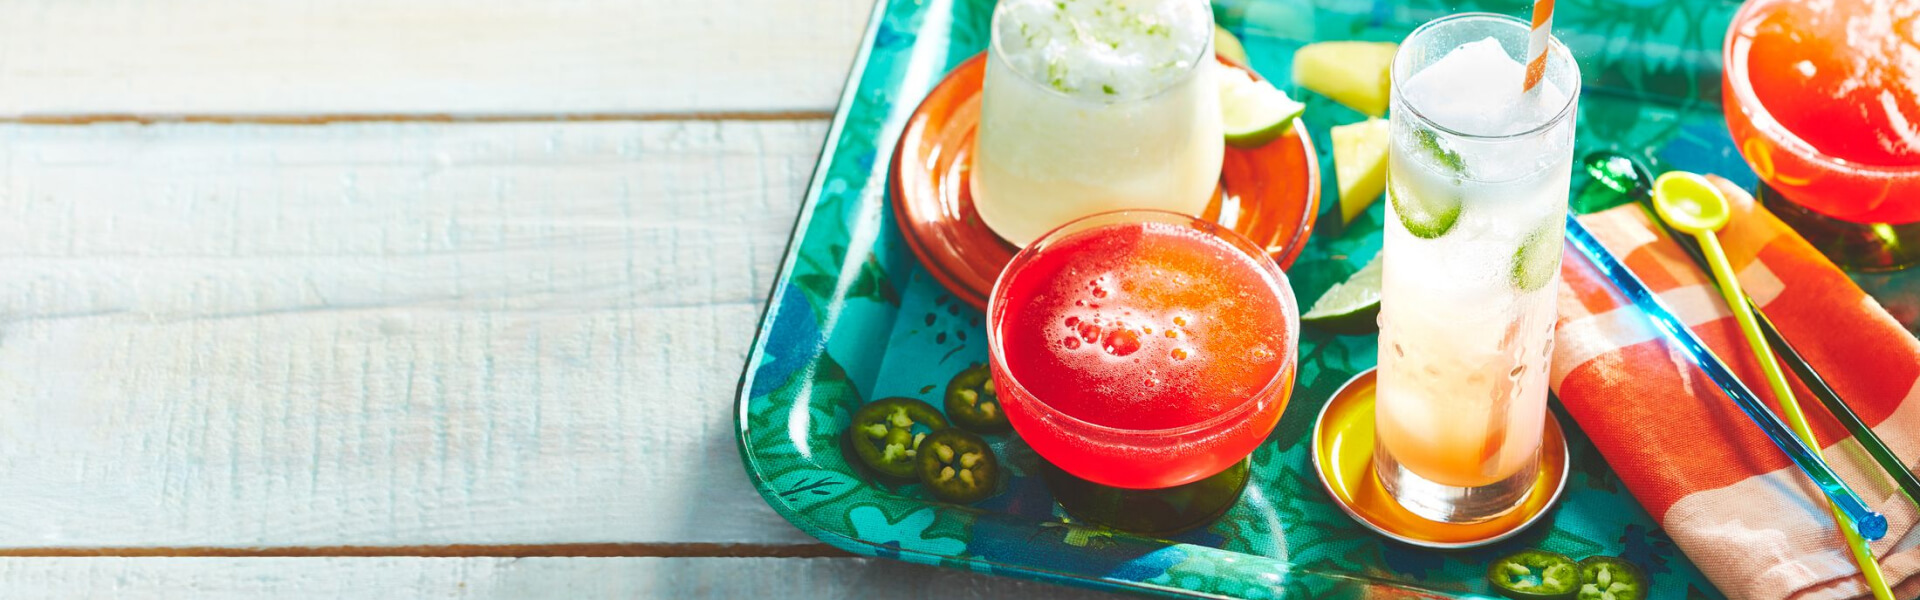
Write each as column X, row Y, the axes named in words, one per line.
column 854, row 317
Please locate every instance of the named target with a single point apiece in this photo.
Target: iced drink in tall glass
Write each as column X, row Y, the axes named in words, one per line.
column 1477, row 192
column 1096, row 105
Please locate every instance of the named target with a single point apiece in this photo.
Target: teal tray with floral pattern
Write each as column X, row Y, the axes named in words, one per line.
column 853, row 317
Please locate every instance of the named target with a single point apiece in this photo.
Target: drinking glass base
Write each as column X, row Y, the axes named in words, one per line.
column 1160, row 512
column 1450, row 504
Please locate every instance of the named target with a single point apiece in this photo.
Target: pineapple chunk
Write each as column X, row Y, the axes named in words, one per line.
column 1360, row 162
column 1351, row 73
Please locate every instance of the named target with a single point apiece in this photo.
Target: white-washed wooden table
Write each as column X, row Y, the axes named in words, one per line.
column 421, row 298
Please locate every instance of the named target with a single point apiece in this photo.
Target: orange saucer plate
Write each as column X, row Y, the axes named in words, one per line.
column 1268, row 194
column 1343, row 456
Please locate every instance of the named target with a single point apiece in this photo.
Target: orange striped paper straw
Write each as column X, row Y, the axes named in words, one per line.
column 1537, row 43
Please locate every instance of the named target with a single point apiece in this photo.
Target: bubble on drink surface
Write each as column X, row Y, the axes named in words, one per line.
column 1121, row 341
column 1090, row 330
column 1262, row 353
column 1097, row 287
column 1103, row 49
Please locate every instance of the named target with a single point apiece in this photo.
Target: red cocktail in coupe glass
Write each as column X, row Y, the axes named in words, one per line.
column 1143, row 350
column 1821, row 100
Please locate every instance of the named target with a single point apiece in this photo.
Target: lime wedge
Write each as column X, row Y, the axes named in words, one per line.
column 1537, row 262
column 1351, row 307
column 1425, row 218
column 1254, row 112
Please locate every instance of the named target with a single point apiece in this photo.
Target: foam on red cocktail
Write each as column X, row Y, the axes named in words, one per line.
column 1827, row 75
column 1135, row 349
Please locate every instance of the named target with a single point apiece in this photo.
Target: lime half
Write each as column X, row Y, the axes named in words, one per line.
column 1537, row 261
column 1425, row 218
column 1254, row 113
column 1350, row 307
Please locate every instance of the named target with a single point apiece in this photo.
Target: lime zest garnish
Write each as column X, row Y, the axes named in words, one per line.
column 1057, row 75
column 1108, row 88
column 1447, row 157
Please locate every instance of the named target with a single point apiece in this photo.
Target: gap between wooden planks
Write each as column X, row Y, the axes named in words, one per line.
column 660, row 550
column 667, row 550
column 563, row 455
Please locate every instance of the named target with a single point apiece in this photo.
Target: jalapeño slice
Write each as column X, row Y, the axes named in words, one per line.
column 1534, row 575
column 1610, row 578
column 885, row 431
column 957, row 466
column 972, row 404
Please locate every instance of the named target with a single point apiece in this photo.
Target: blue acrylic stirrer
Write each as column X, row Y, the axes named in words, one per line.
column 1870, row 524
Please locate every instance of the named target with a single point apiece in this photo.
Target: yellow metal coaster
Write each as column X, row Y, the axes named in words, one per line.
column 1343, row 455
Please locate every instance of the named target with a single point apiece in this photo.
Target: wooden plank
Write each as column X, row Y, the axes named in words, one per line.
column 382, row 334
column 488, row 58
column 518, row 578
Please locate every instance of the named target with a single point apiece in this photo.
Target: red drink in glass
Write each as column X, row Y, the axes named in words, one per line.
column 1821, row 101
column 1142, row 349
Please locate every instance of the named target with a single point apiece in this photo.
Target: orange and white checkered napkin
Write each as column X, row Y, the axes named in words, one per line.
column 1728, row 497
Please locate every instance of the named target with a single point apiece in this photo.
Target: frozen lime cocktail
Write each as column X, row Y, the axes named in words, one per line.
column 1477, row 185
column 1096, row 105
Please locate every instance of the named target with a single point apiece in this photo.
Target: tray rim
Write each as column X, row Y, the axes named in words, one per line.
column 857, row 546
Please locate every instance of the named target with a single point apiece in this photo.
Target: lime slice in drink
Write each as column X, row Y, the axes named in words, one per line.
column 1350, row 307
column 1425, row 218
column 1254, row 112
column 1360, row 162
column 1537, row 262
